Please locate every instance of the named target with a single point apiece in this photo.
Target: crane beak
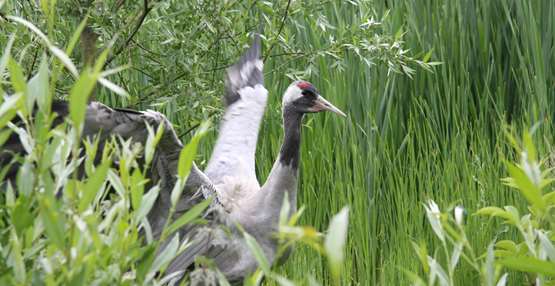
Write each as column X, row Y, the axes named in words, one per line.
column 321, row 104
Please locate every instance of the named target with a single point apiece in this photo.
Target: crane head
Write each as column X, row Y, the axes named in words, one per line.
column 303, row 97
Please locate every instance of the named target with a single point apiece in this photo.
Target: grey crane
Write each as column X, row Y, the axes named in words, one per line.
column 232, row 166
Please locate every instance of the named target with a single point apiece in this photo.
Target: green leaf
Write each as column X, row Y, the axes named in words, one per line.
column 38, row 87
column 4, row 135
column 529, row 264
column 189, row 216
column 335, row 241
column 79, row 96
column 16, row 258
column 53, row 221
column 113, row 87
column 415, row 279
column 489, row 266
column 147, row 202
column 546, row 245
column 6, row 55
column 21, row 216
column 282, row 281
column 101, row 59
column 495, row 211
column 137, row 188
column 285, row 210
column 254, row 279
column 17, row 77
column 508, row 245
column 65, row 59
column 258, row 253
column 548, row 198
column 529, row 146
column 145, row 262
column 526, row 187
column 9, row 108
column 422, row 253
column 76, row 35
column 503, row 280
column 186, row 157
column 26, row 178
column 169, row 252
column 116, row 183
column 187, row 154
column 93, row 185
column 437, row 271
column 152, row 141
column 427, row 56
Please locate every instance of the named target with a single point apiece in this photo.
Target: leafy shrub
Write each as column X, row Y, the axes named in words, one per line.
column 533, row 254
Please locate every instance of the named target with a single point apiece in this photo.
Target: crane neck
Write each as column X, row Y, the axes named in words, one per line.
column 290, row 149
column 283, row 177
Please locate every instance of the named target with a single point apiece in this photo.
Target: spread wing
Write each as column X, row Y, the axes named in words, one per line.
column 245, row 99
column 131, row 124
column 105, row 122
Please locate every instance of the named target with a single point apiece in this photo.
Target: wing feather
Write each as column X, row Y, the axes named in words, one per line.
column 234, row 153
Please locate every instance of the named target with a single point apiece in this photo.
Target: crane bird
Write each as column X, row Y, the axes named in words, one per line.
column 231, row 168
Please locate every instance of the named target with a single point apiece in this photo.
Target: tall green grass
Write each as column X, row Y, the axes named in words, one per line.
column 437, row 135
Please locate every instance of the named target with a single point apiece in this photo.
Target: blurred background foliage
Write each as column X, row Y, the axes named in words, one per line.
column 177, row 51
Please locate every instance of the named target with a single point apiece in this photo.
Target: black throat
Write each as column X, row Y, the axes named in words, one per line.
column 290, row 150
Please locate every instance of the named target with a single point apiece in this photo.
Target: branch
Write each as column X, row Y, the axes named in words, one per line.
column 146, row 50
column 146, row 10
column 183, row 134
column 33, row 64
column 287, row 54
column 280, row 28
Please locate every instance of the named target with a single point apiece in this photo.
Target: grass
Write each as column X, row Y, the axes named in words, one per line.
column 438, row 135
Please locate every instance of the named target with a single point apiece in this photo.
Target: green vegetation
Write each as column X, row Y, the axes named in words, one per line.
column 532, row 253
column 415, row 130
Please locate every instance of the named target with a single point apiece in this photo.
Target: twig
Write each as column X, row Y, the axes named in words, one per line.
column 280, row 28
column 146, row 50
column 217, row 68
column 33, row 64
column 287, row 54
column 146, row 10
column 142, row 72
column 196, row 125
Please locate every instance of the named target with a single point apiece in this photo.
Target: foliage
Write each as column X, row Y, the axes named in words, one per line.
column 177, row 50
column 533, row 253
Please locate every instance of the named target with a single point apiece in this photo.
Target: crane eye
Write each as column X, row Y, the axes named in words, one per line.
column 308, row 93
